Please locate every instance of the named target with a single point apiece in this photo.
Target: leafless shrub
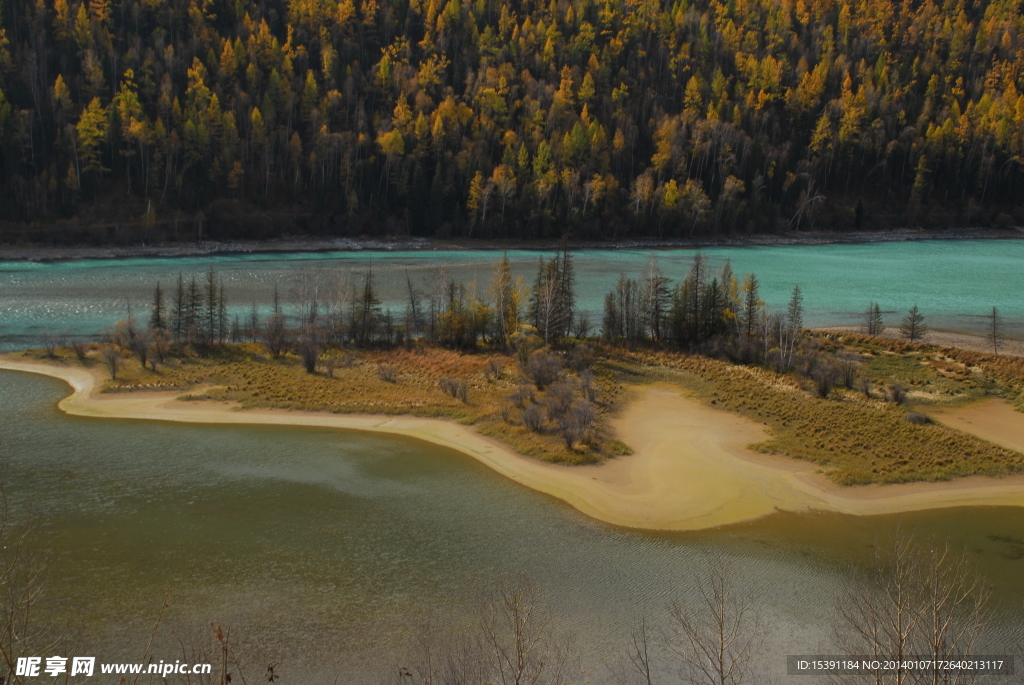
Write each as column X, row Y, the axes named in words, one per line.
column 543, row 369
column 112, row 358
column 584, row 414
column 49, row 341
column 22, row 583
column 897, row 393
column 215, row 648
column 140, row 343
column 917, row 418
column 587, row 387
column 577, row 423
column 275, row 336
column 309, row 349
column 824, row 378
column 582, row 326
column 80, row 347
column 533, row 418
column 558, row 399
column 717, row 641
column 493, row 370
column 569, row 431
column 161, row 345
column 847, row 368
column 924, row 601
column 581, row 357
column 809, row 363
column 519, row 641
column 511, row 643
column 865, row 386
column 387, row 373
column 522, row 395
column 458, row 388
column 507, row 412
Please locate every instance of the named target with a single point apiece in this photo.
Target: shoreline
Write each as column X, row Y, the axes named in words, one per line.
column 1009, row 347
column 281, row 246
column 690, row 469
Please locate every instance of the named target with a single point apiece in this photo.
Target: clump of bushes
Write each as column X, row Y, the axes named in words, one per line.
column 457, row 388
column 387, row 373
column 543, row 369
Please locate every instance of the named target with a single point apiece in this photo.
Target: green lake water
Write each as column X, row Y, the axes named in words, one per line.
column 955, row 283
column 326, row 550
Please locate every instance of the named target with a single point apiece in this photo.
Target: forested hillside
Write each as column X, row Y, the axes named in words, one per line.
column 140, row 120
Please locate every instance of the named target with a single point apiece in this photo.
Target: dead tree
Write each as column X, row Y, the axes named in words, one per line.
column 717, row 638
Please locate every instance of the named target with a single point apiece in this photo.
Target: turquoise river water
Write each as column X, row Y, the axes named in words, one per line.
column 955, row 283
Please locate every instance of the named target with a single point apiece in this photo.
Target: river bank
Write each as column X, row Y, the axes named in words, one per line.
column 691, row 468
column 1008, row 347
column 37, row 253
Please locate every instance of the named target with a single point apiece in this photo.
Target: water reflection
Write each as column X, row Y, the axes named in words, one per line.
column 954, row 282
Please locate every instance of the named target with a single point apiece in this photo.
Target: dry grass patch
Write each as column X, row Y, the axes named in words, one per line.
column 856, row 440
column 473, row 389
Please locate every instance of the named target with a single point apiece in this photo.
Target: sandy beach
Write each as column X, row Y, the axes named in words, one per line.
column 991, row 419
column 690, row 468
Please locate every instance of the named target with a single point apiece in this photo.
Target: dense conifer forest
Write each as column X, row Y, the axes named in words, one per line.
column 146, row 120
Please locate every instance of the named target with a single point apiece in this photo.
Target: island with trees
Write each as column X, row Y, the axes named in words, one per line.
column 520, row 365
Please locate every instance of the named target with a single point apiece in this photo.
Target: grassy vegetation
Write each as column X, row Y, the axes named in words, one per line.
column 856, row 437
column 399, row 381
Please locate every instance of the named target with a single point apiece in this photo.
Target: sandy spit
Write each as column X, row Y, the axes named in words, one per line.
column 690, row 469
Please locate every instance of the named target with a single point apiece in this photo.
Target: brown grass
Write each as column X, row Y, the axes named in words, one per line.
column 856, row 440
column 243, row 374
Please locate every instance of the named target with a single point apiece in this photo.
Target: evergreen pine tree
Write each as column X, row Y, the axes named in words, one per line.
column 210, row 308
column 179, row 311
column 566, row 295
column 913, row 327
column 157, row 318
column 751, row 304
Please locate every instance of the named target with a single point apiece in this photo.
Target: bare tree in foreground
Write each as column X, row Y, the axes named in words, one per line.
column 714, row 636
column 21, row 586
column 921, row 601
column 512, row 644
column 717, row 640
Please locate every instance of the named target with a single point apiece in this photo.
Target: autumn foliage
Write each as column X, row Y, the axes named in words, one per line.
column 188, row 119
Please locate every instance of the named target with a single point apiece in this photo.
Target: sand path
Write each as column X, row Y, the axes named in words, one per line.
column 690, row 469
column 991, row 419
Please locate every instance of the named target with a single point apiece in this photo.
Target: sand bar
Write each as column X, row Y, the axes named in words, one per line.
column 990, row 419
column 690, row 469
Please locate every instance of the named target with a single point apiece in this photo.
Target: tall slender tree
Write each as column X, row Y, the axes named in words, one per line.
column 752, row 304
column 873, row 320
column 158, row 317
column 995, row 335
